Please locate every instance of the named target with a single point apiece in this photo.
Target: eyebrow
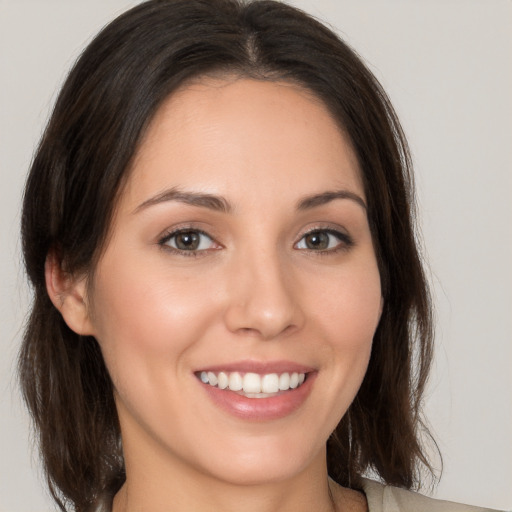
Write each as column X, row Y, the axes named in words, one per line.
column 315, row 200
column 219, row 203
column 212, row 202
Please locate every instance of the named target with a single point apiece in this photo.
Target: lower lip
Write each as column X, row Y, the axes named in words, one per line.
column 261, row 409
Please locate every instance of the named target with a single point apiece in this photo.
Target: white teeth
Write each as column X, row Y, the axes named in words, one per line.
column 222, row 380
column 284, row 381
column 253, row 385
column 235, row 381
column 270, row 383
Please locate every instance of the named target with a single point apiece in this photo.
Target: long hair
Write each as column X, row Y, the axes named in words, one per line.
column 78, row 172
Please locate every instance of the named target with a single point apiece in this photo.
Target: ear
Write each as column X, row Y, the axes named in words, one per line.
column 68, row 295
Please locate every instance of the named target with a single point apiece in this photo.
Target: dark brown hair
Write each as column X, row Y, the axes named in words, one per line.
column 107, row 101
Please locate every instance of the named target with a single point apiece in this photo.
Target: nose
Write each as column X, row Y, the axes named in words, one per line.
column 263, row 299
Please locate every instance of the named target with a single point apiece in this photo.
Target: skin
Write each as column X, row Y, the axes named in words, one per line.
column 253, row 291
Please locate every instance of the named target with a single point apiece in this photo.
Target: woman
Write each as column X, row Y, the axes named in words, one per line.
column 229, row 305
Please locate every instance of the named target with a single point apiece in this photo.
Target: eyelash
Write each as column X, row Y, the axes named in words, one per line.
column 163, row 242
column 345, row 241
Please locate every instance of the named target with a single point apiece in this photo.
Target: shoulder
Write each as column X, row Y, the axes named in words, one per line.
column 385, row 498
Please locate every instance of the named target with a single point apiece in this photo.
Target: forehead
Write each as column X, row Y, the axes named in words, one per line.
column 228, row 135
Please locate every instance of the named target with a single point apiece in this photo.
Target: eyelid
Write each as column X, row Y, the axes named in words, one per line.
column 170, row 233
column 181, row 227
column 345, row 239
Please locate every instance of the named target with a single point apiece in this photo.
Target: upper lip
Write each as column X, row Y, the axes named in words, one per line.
column 261, row 367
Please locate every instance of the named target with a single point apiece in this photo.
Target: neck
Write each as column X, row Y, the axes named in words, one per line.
column 158, row 486
column 159, row 479
column 251, row 499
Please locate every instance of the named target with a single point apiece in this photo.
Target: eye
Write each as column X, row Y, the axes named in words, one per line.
column 188, row 240
column 324, row 240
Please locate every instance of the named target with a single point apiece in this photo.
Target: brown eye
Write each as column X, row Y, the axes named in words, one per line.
column 188, row 240
column 324, row 240
column 317, row 240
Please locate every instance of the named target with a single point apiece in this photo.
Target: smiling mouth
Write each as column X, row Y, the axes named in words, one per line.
column 253, row 385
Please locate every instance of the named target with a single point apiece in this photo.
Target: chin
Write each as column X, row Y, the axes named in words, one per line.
column 258, row 471
column 264, row 461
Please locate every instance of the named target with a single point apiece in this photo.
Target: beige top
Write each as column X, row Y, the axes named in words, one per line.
column 381, row 498
column 385, row 498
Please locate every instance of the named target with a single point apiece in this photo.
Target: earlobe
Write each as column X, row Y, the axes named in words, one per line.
column 68, row 295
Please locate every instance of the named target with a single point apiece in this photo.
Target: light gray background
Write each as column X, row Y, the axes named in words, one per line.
column 447, row 67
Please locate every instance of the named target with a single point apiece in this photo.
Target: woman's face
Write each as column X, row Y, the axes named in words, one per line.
column 240, row 256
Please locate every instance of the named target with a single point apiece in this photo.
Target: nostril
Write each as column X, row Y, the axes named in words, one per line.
column 266, row 332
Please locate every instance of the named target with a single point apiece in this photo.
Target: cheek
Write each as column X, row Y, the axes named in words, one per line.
column 350, row 305
column 347, row 315
column 147, row 325
column 144, row 318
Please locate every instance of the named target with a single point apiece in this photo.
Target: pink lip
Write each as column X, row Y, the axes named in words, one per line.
column 260, row 367
column 260, row 409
